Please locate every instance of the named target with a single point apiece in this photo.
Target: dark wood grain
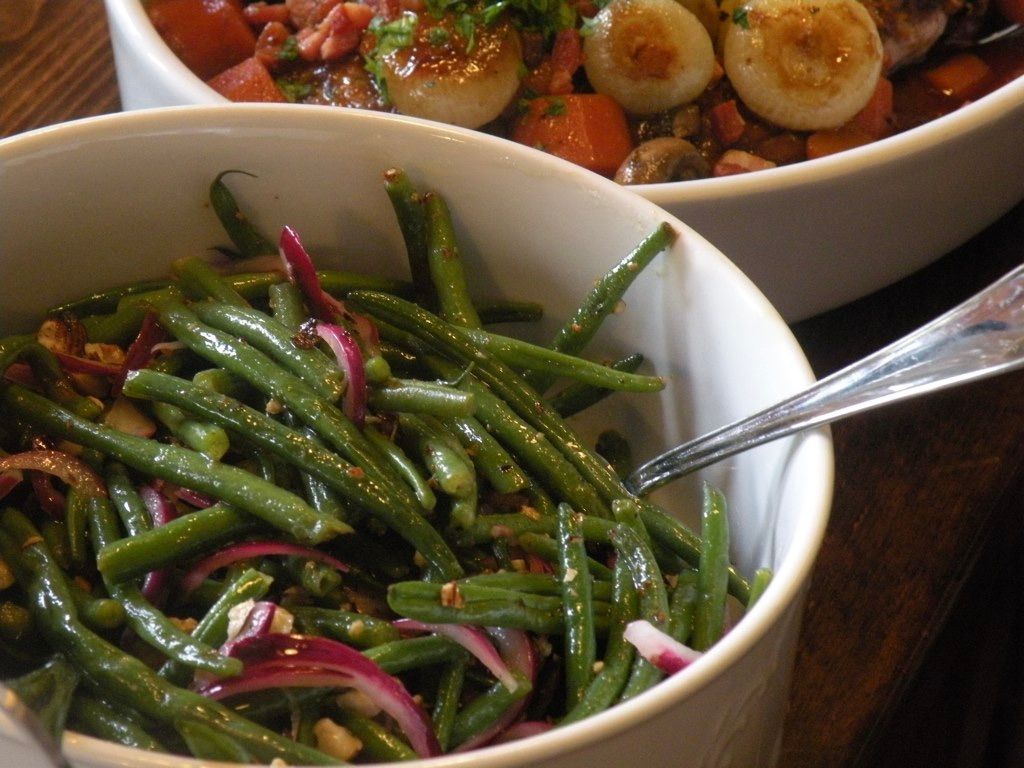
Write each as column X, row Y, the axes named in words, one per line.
column 910, row 652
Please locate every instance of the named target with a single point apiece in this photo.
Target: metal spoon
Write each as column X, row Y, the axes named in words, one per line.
column 982, row 337
column 24, row 740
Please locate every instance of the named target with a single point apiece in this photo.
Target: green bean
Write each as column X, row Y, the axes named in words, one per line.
column 318, row 579
column 615, row 449
column 287, row 305
column 577, row 605
column 126, row 500
column 379, row 744
column 6, row 574
column 414, row 396
column 577, row 396
column 513, row 525
column 120, row 326
column 124, row 678
column 57, row 384
column 105, row 300
column 547, row 548
column 101, row 613
column 492, row 461
column 243, row 233
column 619, row 655
column 212, row 629
column 713, row 571
column 47, row 691
column 635, row 549
column 200, row 436
column 11, row 348
column 201, row 281
column 356, row 629
column 412, row 220
column 15, row 622
column 682, row 605
column 446, row 702
column 195, row 533
column 603, row 299
column 55, row 533
column 148, row 622
column 412, row 653
column 403, row 518
column 457, row 603
column 503, row 382
column 275, row 340
column 404, row 466
column 762, row 578
column 521, row 354
column 76, row 516
column 207, row 743
column 276, row 506
column 532, row 448
column 533, row 583
column 94, row 716
column 509, row 311
column 220, row 381
column 256, row 368
column 485, row 709
column 446, row 269
column 446, row 460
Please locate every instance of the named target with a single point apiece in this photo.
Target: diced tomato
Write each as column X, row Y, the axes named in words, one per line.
column 727, row 122
column 960, row 77
column 588, row 129
column 261, row 12
column 207, row 35
column 248, row 81
column 554, row 74
column 271, row 42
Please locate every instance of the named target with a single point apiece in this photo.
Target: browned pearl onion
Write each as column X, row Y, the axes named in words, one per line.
column 648, row 55
column 803, row 64
column 437, row 79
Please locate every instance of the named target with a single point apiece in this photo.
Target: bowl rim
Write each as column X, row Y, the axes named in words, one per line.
column 789, row 580
column 132, row 21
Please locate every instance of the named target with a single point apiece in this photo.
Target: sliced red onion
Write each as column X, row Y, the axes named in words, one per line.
column 21, row 373
column 10, row 480
column 161, row 511
column 523, row 730
column 76, row 364
column 518, row 652
column 71, row 470
column 299, row 267
column 350, row 360
column 473, row 640
column 194, row 498
column 51, row 501
column 251, row 549
column 259, row 621
column 659, row 648
column 287, row 661
column 140, row 351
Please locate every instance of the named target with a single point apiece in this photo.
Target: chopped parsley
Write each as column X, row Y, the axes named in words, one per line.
column 289, row 50
column 294, row 91
column 740, row 18
column 555, row 108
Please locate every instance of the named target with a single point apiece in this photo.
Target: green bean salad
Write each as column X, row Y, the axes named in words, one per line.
column 264, row 513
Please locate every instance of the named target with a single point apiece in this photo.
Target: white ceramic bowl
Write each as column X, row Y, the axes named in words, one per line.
column 99, row 202
column 812, row 236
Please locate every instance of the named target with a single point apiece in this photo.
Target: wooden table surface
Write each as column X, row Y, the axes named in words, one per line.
column 910, row 653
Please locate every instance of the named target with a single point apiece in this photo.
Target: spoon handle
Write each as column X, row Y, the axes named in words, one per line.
column 981, row 337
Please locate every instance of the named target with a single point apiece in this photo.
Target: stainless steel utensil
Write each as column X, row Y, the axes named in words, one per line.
column 982, row 337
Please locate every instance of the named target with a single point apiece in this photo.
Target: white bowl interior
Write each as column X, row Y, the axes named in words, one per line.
column 104, row 201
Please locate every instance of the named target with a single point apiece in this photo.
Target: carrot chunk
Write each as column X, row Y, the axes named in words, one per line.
column 588, row 129
column 249, row 80
column 960, row 76
column 207, row 35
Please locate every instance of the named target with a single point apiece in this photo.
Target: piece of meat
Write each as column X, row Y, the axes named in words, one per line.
column 911, row 28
